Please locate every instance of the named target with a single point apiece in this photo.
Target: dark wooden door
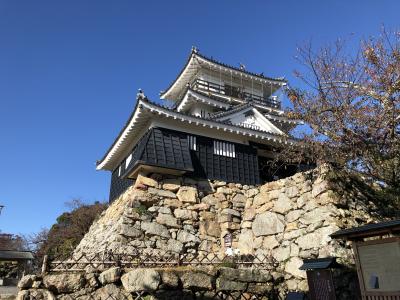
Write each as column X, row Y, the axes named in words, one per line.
column 320, row 284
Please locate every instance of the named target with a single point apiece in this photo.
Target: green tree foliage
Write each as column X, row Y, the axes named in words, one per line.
column 68, row 231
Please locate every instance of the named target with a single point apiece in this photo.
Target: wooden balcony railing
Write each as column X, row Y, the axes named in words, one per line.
column 235, row 92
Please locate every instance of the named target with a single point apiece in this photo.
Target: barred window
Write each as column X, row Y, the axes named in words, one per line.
column 192, row 142
column 224, row 149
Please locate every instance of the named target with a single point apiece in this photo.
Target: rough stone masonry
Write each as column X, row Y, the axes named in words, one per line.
column 289, row 219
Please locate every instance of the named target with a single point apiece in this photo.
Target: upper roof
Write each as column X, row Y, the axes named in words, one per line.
column 368, row 230
column 142, row 115
column 196, row 59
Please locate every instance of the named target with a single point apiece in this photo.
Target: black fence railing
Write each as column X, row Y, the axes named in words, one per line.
column 235, row 92
column 102, row 261
column 187, row 294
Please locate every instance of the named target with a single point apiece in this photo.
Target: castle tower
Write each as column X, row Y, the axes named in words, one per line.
column 225, row 123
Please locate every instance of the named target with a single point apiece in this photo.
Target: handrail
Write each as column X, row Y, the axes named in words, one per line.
column 234, row 92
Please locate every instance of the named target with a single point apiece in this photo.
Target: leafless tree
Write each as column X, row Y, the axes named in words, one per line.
column 351, row 103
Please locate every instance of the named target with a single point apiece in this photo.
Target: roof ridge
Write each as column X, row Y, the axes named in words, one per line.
column 260, row 75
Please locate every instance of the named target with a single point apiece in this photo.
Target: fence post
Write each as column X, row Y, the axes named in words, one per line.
column 179, row 260
column 44, row 265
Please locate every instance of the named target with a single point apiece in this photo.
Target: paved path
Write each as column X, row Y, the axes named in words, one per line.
column 8, row 292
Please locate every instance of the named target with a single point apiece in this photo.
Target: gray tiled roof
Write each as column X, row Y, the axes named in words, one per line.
column 319, row 263
column 17, row 255
column 368, row 229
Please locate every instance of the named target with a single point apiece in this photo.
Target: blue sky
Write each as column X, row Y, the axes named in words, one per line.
column 69, row 72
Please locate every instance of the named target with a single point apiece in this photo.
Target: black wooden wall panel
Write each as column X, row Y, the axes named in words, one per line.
column 241, row 169
column 170, row 149
column 118, row 185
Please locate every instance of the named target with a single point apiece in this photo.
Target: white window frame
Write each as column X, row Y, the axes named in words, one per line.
column 224, row 149
column 192, row 142
column 128, row 160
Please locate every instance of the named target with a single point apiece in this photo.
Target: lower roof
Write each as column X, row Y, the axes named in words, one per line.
column 144, row 113
column 15, row 255
column 368, row 230
column 319, row 263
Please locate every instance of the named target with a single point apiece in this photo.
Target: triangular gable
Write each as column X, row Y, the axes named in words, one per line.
column 251, row 118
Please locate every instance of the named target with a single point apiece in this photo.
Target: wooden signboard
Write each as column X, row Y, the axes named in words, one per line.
column 380, row 265
column 228, row 240
column 320, row 284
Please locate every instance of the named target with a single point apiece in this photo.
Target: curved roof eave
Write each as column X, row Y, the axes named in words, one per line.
column 194, row 53
column 200, row 98
column 107, row 161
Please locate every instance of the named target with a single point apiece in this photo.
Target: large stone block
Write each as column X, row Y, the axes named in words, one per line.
column 281, row 254
column 64, row 282
column 197, row 280
column 167, row 220
column 169, row 279
column 186, row 237
column 129, row 231
column 316, row 239
column 161, row 193
column 110, row 276
column 268, row 223
column 292, row 267
column 260, row 288
column 210, row 228
column 26, row 282
column 141, row 280
column 172, row 185
column 174, row 246
column 213, row 199
column 249, row 214
column 292, row 191
column 224, row 284
column 35, row 294
column 247, row 243
column 271, row 186
column 270, row 242
column 185, row 214
column 110, row 291
column 230, row 211
column 225, row 190
column 283, row 204
column 152, row 228
column 145, row 181
column 245, row 275
column 315, row 215
column 251, row 192
column 187, row 194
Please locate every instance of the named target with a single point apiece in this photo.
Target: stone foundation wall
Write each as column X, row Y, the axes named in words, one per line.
column 289, row 219
column 176, row 283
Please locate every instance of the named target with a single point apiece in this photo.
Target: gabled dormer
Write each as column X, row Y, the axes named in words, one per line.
column 247, row 116
column 224, row 86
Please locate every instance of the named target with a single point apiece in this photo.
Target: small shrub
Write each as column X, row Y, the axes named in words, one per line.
column 141, row 209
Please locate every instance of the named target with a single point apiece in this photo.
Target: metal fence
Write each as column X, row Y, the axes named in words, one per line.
column 102, row 261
